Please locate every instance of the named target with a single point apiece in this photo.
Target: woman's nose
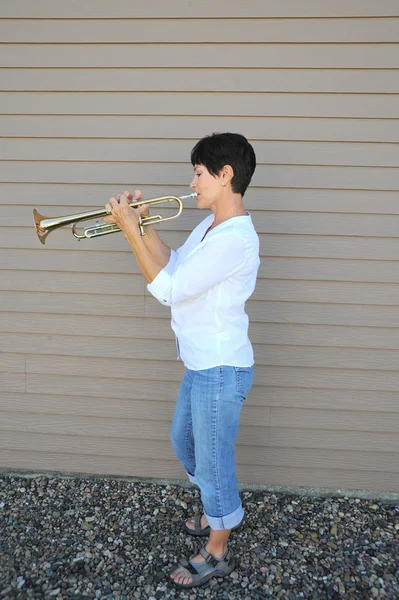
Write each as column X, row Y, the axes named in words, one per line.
column 192, row 184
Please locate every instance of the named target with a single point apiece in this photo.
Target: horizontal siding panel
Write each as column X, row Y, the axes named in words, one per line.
column 326, row 357
column 150, row 349
column 43, row 461
column 84, row 444
column 206, row 80
column 128, row 174
column 94, row 397
column 72, row 282
column 77, row 304
column 136, row 348
column 16, row 237
column 131, row 408
column 278, row 355
column 329, row 478
column 265, row 221
column 310, row 312
column 299, row 377
column 280, row 245
column 317, row 246
column 340, row 292
column 56, row 31
column 322, row 398
column 69, row 260
column 271, row 267
column 320, row 335
column 136, row 418
column 114, row 328
column 192, row 127
column 207, row 103
column 69, row 199
column 305, row 377
column 334, row 479
column 259, row 311
column 319, row 314
column 82, row 325
column 330, row 378
column 331, row 420
column 330, row 269
column 17, row 411
column 276, row 56
column 139, row 428
column 109, row 428
column 179, row 9
column 49, row 386
column 267, row 152
column 12, row 363
column 301, row 450
column 12, row 382
column 133, row 285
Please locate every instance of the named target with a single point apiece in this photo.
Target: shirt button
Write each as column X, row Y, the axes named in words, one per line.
column 165, row 300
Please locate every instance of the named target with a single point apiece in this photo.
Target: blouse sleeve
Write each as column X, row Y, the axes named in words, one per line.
column 210, row 264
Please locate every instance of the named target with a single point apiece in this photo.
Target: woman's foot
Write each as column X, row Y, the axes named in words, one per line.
column 201, row 568
column 198, row 526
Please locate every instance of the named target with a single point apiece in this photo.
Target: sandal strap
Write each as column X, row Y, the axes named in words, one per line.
column 197, row 523
column 221, row 563
column 197, row 569
column 188, row 566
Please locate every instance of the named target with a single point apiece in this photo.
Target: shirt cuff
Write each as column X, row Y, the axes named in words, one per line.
column 160, row 286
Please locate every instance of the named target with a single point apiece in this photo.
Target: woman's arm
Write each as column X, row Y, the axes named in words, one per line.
column 160, row 251
column 219, row 259
column 151, row 254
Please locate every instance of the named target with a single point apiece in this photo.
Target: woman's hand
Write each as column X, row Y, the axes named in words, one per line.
column 120, row 211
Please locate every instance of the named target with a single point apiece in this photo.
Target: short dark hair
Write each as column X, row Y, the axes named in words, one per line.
column 220, row 149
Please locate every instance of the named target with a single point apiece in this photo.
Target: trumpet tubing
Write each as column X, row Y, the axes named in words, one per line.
column 45, row 225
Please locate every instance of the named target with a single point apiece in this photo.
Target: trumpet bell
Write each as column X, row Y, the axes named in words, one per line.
column 42, row 232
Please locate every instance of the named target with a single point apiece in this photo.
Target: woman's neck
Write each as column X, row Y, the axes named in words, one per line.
column 227, row 208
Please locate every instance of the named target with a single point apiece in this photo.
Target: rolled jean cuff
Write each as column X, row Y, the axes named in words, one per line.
column 228, row 522
column 192, row 479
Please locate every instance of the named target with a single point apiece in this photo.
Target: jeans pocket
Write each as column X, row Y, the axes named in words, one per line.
column 244, row 377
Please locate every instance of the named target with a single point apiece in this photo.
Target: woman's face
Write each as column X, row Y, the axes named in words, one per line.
column 207, row 187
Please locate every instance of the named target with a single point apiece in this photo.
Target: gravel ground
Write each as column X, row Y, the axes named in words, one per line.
column 116, row 539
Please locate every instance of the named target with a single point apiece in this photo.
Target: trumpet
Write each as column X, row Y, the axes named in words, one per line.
column 45, row 225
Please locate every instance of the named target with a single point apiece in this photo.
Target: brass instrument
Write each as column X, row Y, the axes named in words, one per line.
column 45, row 225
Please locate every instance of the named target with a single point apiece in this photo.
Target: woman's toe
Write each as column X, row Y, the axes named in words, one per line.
column 180, row 576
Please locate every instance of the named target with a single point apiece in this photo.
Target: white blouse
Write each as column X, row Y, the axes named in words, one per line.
column 206, row 283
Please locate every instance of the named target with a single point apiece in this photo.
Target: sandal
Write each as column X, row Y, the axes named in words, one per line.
column 202, row 572
column 198, row 531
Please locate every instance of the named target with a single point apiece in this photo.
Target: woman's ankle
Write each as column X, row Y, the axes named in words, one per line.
column 217, row 550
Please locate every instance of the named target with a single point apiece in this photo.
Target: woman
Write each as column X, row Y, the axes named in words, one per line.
column 206, row 283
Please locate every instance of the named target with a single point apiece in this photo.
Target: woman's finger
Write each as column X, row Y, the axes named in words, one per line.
column 138, row 195
column 112, row 202
column 124, row 199
column 128, row 195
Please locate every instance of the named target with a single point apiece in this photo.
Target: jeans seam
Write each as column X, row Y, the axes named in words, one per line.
column 215, row 441
column 188, row 449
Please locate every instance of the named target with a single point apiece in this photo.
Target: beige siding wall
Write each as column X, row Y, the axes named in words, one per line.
column 98, row 97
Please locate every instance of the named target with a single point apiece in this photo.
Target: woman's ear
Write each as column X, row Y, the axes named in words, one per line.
column 226, row 174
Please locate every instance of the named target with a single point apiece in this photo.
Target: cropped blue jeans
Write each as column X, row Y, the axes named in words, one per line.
column 204, row 432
